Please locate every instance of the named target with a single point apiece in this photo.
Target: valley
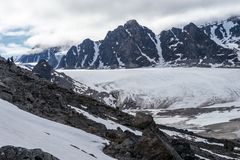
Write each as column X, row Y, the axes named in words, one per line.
column 198, row 99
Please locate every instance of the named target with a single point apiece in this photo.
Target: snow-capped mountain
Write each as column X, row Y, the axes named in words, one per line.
column 52, row 55
column 190, row 46
column 225, row 33
column 132, row 46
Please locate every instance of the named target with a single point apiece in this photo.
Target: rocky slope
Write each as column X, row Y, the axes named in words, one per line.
column 129, row 137
column 225, row 33
column 49, row 101
column 132, row 46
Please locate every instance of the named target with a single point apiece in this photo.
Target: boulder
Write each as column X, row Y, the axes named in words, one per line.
column 142, row 120
column 43, row 69
column 18, row 153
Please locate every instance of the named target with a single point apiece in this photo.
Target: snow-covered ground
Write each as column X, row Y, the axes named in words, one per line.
column 160, row 89
column 23, row 129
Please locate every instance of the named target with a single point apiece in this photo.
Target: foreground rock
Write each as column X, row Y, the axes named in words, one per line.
column 43, row 69
column 18, row 153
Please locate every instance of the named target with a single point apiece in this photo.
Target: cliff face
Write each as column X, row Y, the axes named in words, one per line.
column 191, row 46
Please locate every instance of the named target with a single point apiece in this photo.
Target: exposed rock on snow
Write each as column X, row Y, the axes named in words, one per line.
column 18, row 153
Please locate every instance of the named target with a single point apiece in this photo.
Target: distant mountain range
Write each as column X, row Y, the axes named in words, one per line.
column 132, row 45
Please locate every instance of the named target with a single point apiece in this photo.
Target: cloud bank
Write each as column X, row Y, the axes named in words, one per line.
column 56, row 22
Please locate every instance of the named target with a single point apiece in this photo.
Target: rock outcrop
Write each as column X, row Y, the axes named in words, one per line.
column 18, row 153
column 43, row 69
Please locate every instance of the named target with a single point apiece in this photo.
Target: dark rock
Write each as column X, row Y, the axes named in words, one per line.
column 191, row 46
column 228, row 145
column 183, row 148
column 43, row 69
column 71, row 57
column 2, row 59
column 130, row 46
column 18, row 153
column 149, row 144
column 142, row 120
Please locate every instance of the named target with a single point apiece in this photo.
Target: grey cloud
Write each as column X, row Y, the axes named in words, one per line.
column 146, row 8
column 59, row 21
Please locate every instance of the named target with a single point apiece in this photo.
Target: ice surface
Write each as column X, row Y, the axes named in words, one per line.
column 167, row 87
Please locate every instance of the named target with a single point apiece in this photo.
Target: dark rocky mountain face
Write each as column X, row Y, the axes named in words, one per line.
column 132, row 45
column 129, row 46
column 191, row 46
column 81, row 56
column 225, row 33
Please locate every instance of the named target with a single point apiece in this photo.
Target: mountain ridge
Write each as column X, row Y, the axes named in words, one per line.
column 134, row 46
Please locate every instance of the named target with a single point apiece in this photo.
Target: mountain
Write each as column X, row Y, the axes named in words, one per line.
column 225, row 33
column 38, row 113
column 130, row 46
column 133, row 46
column 191, row 46
column 53, row 55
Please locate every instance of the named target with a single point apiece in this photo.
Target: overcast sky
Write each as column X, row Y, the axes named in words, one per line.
column 27, row 23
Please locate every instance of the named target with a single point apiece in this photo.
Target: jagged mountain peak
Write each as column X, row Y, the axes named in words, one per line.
column 190, row 26
column 132, row 23
column 87, row 40
column 235, row 18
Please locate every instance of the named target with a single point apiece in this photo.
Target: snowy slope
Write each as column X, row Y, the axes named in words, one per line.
column 225, row 33
column 23, row 129
column 170, row 88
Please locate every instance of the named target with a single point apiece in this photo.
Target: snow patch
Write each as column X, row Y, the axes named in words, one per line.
column 22, row 129
column 108, row 123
